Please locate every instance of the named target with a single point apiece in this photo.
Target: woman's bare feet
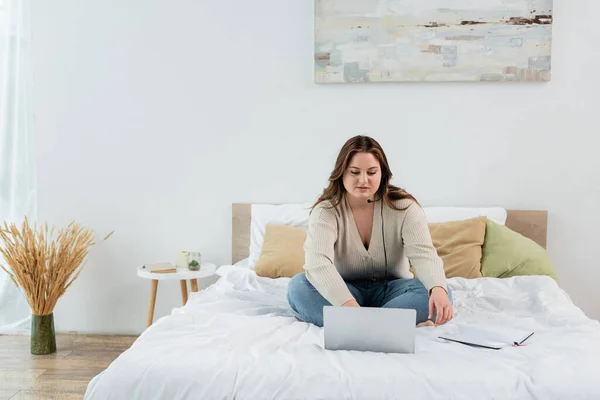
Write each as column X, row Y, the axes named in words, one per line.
column 426, row 323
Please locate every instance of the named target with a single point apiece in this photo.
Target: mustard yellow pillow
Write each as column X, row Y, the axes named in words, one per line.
column 282, row 252
column 459, row 245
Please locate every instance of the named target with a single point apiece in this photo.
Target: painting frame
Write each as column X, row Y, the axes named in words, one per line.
column 365, row 41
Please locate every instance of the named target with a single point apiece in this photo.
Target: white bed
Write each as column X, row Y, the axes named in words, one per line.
column 239, row 339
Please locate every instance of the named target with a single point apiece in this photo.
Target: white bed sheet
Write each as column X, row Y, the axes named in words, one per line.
column 239, row 339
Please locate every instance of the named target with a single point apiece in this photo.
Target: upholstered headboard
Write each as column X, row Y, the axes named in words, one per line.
column 531, row 224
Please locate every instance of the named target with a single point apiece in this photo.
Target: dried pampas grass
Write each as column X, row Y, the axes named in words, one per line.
column 43, row 264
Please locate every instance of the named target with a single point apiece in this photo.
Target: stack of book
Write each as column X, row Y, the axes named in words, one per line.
column 161, row 268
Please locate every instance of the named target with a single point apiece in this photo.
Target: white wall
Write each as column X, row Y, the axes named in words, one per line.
column 154, row 116
column 3, row 47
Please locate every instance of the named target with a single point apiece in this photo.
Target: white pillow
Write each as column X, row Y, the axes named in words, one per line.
column 445, row 214
column 263, row 214
column 298, row 215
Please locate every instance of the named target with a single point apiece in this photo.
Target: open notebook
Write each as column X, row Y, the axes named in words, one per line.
column 489, row 336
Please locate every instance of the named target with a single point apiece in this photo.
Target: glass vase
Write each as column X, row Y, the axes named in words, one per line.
column 43, row 338
column 194, row 261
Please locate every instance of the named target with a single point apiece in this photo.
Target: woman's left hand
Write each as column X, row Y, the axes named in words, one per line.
column 440, row 303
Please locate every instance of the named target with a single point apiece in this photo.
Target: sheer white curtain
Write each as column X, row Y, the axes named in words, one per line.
column 17, row 168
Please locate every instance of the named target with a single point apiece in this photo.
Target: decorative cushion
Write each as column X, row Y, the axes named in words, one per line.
column 507, row 253
column 282, row 253
column 294, row 214
column 459, row 245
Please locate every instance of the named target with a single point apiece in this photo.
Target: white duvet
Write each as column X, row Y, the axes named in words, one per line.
column 238, row 339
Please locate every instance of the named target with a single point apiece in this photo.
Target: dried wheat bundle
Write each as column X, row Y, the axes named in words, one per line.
column 43, row 264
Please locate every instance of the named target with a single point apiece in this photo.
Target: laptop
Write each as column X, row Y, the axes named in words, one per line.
column 385, row 330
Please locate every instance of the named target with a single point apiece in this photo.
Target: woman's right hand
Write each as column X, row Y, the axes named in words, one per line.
column 351, row 303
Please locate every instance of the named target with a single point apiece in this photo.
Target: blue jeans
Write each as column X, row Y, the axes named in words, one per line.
column 308, row 303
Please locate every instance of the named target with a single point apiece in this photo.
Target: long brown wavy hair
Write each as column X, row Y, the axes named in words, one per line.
column 335, row 191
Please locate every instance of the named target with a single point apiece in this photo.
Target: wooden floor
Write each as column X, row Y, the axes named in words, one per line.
column 63, row 375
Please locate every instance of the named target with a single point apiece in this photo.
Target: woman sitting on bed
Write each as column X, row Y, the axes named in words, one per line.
column 362, row 234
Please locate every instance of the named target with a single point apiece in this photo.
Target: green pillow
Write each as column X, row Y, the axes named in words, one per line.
column 507, row 253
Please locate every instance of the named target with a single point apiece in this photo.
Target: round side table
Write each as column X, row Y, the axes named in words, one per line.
column 182, row 275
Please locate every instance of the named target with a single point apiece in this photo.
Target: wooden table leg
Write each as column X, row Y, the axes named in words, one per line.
column 194, row 283
column 184, row 291
column 153, row 290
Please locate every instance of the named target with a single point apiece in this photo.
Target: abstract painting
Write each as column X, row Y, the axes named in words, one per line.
column 432, row 40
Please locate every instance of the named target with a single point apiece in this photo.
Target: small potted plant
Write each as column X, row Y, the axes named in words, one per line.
column 194, row 261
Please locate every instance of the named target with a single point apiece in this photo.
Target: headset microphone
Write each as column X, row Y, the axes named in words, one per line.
column 385, row 284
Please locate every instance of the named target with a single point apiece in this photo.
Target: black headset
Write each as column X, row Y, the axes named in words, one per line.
column 385, row 282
